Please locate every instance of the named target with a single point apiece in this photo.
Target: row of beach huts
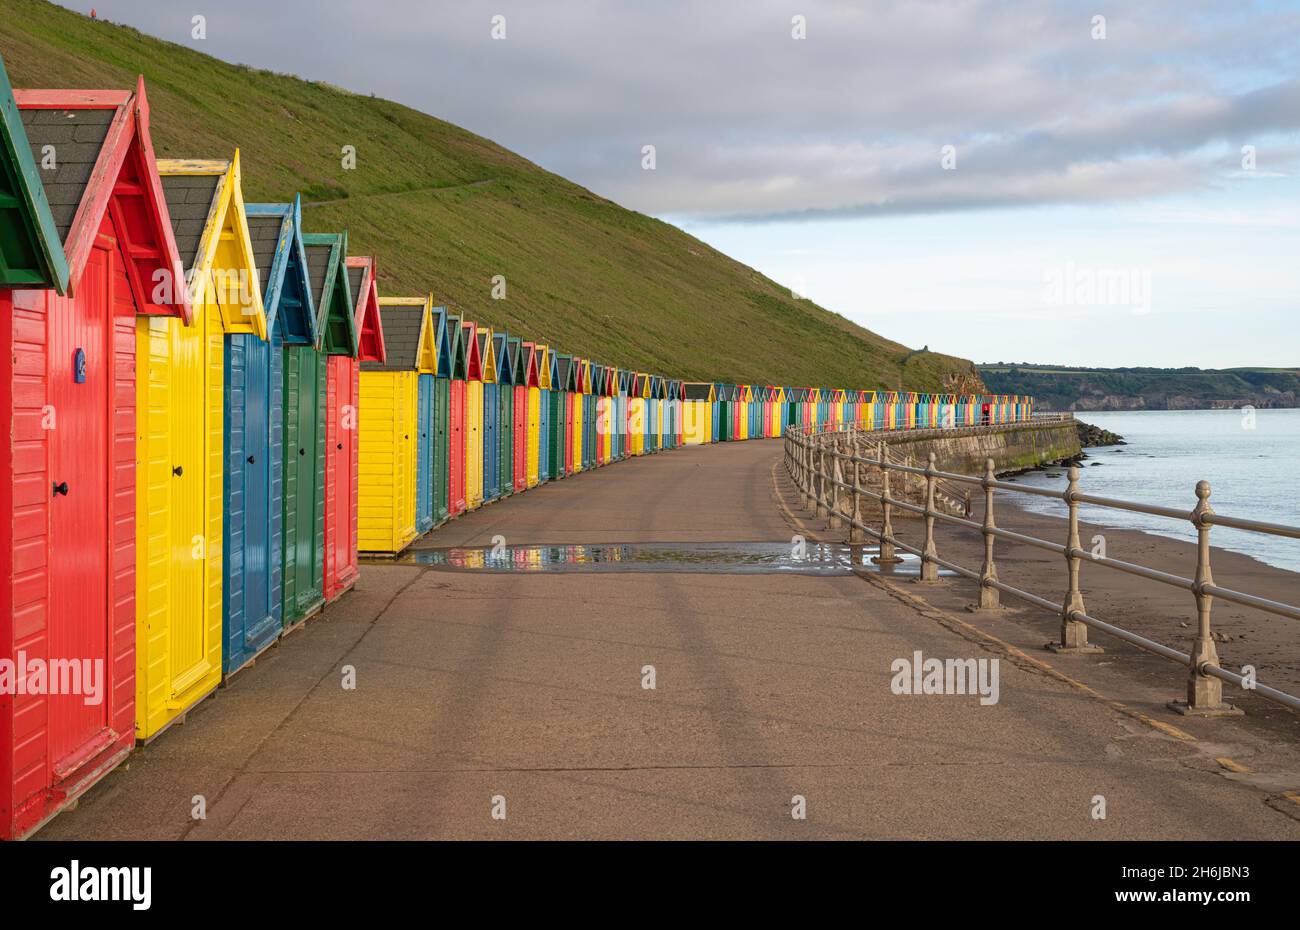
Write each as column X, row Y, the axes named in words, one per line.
column 212, row 411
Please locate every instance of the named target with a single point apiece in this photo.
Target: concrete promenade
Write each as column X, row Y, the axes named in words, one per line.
column 477, row 692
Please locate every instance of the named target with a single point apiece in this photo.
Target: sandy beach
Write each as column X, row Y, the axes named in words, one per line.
column 1157, row 611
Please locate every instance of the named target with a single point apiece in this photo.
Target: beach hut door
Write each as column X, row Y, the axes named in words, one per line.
column 78, row 574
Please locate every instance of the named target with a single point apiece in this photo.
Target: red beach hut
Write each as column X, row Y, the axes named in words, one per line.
column 67, row 463
column 342, row 416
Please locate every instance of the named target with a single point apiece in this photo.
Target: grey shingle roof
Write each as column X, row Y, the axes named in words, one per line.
column 318, row 262
column 77, row 137
column 189, row 201
column 264, row 230
column 697, row 391
column 355, row 276
column 401, row 338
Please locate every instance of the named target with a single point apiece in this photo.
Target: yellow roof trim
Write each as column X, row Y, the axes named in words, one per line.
column 226, row 222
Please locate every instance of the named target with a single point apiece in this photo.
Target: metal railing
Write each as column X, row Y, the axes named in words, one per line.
column 828, row 467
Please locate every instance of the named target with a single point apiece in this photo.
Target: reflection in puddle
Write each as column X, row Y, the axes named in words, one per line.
column 709, row 558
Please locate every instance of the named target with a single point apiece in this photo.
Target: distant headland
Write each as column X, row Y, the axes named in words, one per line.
column 1063, row 387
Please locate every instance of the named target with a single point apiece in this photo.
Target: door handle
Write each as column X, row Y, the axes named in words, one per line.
column 339, row 446
column 250, row 459
column 302, row 451
column 177, row 470
column 61, row 488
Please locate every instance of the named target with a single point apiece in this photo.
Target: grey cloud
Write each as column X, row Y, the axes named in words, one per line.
column 750, row 123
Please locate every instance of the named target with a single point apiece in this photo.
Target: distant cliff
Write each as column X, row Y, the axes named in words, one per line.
column 1059, row 387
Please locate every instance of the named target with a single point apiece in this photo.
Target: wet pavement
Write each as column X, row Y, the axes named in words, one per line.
column 676, row 703
column 716, row 558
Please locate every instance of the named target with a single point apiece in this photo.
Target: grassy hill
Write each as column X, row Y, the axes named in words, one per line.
column 1059, row 387
column 445, row 210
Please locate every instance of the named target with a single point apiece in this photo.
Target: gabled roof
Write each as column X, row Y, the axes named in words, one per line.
column 699, row 390
column 501, row 349
column 206, row 203
column 408, row 335
column 31, row 251
column 275, row 231
column 456, row 336
column 564, row 371
column 530, row 364
column 363, row 338
column 488, row 353
column 448, row 345
column 543, row 367
column 325, row 256
column 473, row 356
column 553, row 363
column 438, row 319
column 107, row 164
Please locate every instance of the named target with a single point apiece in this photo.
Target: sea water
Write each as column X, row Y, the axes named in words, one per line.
column 1249, row 457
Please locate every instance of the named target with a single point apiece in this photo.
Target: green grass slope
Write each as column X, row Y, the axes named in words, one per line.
column 445, row 210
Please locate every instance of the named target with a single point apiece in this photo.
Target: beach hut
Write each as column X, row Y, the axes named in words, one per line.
column 473, row 416
column 440, row 470
column 318, row 433
column 456, row 417
column 723, row 422
column 697, row 412
column 560, row 426
column 82, row 245
column 505, row 415
column 180, row 430
column 491, row 412
column 545, row 358
column 519, row 413
column 346, row 347
column 390, row 425
column 636, row 412
column 608, row 418
column 253, row 492
column 554, row 417
column 574, row 416
column 425, row 433
column 583, row 448
column 533, row 413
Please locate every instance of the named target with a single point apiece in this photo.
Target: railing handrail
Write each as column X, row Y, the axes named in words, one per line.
column 818, row 459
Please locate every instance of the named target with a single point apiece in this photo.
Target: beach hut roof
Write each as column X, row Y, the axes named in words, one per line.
column 275, row 230
column 543, row 367
column 31, row 250
column 409, row 339
column 346, row 287
column 367, row 326
column 501, row 350
column 530, row 364
column 109, row 160
column 487, row 351
column 205, row 202
column 473, row 357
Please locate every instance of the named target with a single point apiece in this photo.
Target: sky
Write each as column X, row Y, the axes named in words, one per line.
column 1098, row 183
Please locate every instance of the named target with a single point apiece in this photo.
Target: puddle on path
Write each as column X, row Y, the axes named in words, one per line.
column 727, row 558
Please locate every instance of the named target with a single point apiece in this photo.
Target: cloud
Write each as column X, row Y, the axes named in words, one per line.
column 749, row 123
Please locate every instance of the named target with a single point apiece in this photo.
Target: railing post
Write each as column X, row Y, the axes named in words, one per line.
column 835, row 521
column 929, row 567
column 990, row 597
column 1204, row 694
column 822, row 499
column 886, row 556
column 1074, row 633
column 856, row 533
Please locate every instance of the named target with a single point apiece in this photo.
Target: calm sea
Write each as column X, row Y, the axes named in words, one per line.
column 1252, row 470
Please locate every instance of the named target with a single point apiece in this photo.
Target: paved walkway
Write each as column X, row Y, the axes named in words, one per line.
column 474, row 689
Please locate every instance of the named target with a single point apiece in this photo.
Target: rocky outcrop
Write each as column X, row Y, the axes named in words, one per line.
column 1090, row 436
